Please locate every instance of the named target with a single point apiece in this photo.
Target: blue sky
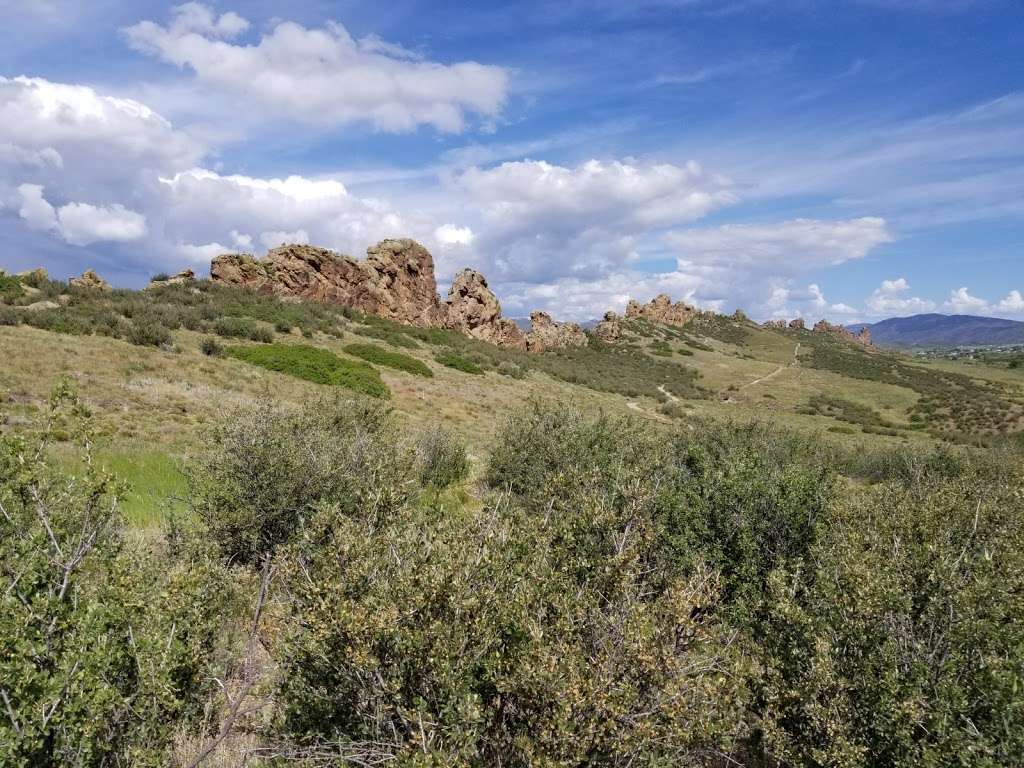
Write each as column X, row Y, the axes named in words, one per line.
column 848, row 159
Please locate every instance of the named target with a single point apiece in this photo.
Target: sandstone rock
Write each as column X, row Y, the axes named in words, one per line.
column 609, row 329
column 863, row 337
column 740, row 316
column 798, row 324
column 89, row 281
column 661, row 310
column 778, row 324
column 395, row 281
column 546, row 334
column 473, row 309
column 34, row 275
column 181, row 278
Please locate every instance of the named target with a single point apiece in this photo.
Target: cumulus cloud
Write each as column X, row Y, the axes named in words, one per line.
column 892, row 298
column 785, row 248
column 546, row 221
column 1013, row 304
column 449, row 234
column 961, row 302
column 324, row 76
column 80, row 223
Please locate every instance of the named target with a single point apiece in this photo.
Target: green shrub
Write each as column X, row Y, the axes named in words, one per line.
column 234, row 327
column 458, row 362
column 106, row 651
column 442, row 458
column 901, row 645
column 10, row 288
column 262, row 335
column 263, row 470
column 512, row 370
column 159, row 277
column 392, row 337
column 282, row 326
column 9, row 316
column 210, row 347
column 314, row 364
column 148, row 332
column 380, row 356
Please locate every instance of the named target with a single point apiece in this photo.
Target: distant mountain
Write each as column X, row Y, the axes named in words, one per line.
column 935, row 330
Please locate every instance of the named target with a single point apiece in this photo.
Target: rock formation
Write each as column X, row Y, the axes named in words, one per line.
column 395, row 281
column 863, row 337
column 798, row 324
column 661, row 310
column 474, row 310
column 34, row 275
column 777, row 324
column 181, row 278
column 89, row 281
column 609, row 329
column 546, row 334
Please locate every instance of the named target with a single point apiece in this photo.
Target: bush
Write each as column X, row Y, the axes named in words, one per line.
column 442, row 458
column 9, row 316
column 10, row 288
column 105, row 651
column 380, row 356
column 262, row 335
column 902, row 642
column 264, row 470
column 159, row 277
column 282, row 326
column 211, row 347
column 459, row 363
column 512, row 370
column 148, row 332
column 314, row 364
column 234, row 327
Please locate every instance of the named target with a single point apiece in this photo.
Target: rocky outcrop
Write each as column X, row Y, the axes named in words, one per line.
column 39, row 274
column 39, row 306
column 181, row 278
column 609, row 329
column 546, row 334
column 395, row 281
column 89, row 281
column 863, row 337
column 661, row 310
column 798, row 324
column 474, row 310
column 776, row 324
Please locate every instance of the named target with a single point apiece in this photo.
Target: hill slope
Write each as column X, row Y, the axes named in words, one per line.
column 944, row 330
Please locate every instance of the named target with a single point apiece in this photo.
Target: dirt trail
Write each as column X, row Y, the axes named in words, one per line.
column 777, row 371
column 671, row 398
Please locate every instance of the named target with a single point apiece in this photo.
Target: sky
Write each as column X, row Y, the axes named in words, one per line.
column 846, row 159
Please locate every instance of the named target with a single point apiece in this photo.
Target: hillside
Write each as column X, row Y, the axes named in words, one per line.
column 934, row 330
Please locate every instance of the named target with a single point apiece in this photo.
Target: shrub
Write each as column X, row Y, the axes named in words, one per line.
column 459, row 363
column 234, row 327
column 159, row 277
column 9, row 316
column 442, row 458
column 262, row 335
column 263, row 471
column 105, row 651
column 314, row 364
column 148, row 332
column 282, row 326
column 512, row 370
column 210, row 347
column 10, row 288
column 380, row 356
column 392, row 337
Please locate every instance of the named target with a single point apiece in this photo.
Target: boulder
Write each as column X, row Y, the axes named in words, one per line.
column 474, row 310
column 41, row 305
column 609, row 329
column 546, row 334
column 89, row 281
column 777, row 324
column 798, row 324
column 661, row 310
column 180, row 278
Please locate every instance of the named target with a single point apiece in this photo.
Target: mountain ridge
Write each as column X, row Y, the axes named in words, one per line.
column 934, row 329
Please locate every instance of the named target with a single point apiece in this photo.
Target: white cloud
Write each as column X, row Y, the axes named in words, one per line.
column 962, row 303
column 891, row 298
column 449, row 234
column 785, row 248
column 541, row 221
column 1013, row 304
column 278, row 237
column 80, row 223
column 324, row 76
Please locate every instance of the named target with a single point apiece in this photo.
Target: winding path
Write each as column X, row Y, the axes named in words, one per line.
column 777, row 371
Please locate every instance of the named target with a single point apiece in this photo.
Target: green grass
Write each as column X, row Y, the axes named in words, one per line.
column 380, row 356
column 320, row 366
column 10, row 288
column 459, row 363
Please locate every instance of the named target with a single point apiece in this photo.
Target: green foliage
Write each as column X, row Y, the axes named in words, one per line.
column 512, row 370
column 234, row 327
column 10, row 288
column 9, row 316
column 159, row 277
column 104, row 653
column 264, row 470
column 852, row 413
column 282, row 326
column 660, row 348
column 458, row 362
column 395, row 338
column 210, row 347
column 380, row 356
column 314, row 364
column 442, row 458
column 901, row 645
column 147, row 331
